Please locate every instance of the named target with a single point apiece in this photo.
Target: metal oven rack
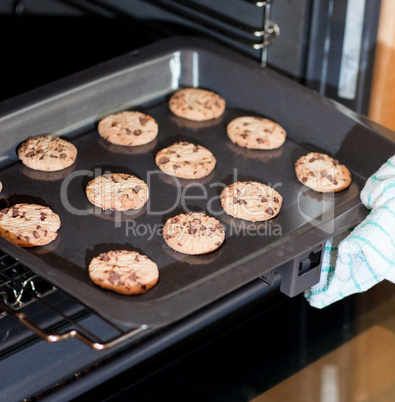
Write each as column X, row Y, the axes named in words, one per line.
column 20, row 288
column 259, row 38
column 208, row 20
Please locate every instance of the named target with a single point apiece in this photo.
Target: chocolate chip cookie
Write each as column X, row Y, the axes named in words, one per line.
column 193, row 233
column 117, row 191
column 128, row 128
column 322, row 173
column 256, row 133
column 197, row 104
column 47, row 154
column 250, row 200
column 29, row 225
column 186, row 160
column 125, row 272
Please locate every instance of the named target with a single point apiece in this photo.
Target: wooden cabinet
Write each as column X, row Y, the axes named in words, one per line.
column 382, row 102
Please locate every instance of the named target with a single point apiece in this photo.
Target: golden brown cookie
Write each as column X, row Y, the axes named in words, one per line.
column 256, row 133
column 186, row 160
column 129, row 128
column 322, row 173
column 197, row 104
column 117, row 191
column 47, row 154
column 250, row 200
column 193, row 233
column 125, row 272
column 29, row 225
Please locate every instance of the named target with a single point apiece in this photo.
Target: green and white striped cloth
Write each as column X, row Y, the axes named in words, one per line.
column 360, row 258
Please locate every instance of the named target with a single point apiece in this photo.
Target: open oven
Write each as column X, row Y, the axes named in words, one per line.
column 230, row 325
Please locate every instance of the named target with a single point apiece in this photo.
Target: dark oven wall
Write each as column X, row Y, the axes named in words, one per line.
column 327, row 45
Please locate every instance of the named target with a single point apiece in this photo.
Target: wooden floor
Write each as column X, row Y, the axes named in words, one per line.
column 361, row 370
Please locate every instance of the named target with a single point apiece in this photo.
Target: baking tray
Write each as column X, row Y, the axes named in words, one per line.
column 144, row 80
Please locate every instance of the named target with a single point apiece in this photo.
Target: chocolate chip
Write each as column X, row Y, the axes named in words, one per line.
column 196, row 148
column 136, row 189
column 105, row 257
column 202, row 228
column 164, row 160
column 242, row 202
column 329, row 177
column 175, row 167
column 137, row 132
column 192, row 230
column 15, row 213
column 235, row 200
column 263, row 199
column 35, row 234
column 133, row 276
column 244, row 136
column 218, row 243
column 316, row 157
column 63, row 156
column 113, row 277
column 304, row 179
column 276, row 200
column 269, row 211
column 114, row 124
column 43, row 216
column 143, row 120
column 30, row 154
column 259, row 140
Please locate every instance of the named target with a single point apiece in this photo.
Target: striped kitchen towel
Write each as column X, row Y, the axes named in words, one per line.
column 360, row 258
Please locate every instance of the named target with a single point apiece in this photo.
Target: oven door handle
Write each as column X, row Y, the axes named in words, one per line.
column 89, row 340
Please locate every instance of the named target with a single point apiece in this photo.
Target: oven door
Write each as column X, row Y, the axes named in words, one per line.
column 288, row 351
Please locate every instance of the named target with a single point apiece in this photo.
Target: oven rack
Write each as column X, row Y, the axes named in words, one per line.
column 205, row 19
column 20, row 288
column 259, row 38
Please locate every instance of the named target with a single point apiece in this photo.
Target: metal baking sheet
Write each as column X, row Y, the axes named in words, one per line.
column 144, row 81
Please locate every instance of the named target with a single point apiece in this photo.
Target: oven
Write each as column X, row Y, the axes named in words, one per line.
column 235, row 325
